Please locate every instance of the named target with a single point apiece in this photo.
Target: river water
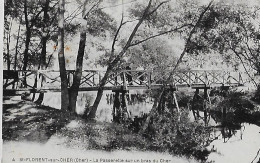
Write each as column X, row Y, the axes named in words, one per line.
column 242, row 146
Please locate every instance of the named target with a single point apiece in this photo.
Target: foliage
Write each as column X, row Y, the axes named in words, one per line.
column 173, row 132
column 233, row 109
column 35, row 25
column 235, row 101
column 257, row 95
column 183, row 99
column 230, row 29
column 180, row 137
column 152, row 54
column 100, row 22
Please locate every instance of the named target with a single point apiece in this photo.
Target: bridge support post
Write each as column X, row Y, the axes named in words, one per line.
column 177, row 106
column 116, row 108
column 206, row 105
column 125, row 114
column 224, row 116
column 176, row 102
column 119, row 111
column 194, row 107
column 201, row 103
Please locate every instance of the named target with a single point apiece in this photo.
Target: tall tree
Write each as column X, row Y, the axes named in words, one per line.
column 7, row 37
column 45, row 36
column 61, row 58
column 81, row 51
column 98, row 22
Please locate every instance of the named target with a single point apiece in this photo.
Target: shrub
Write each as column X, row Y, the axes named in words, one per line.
column 183, row 99
column 177, row 135
column 237, row 109
column 256, row 97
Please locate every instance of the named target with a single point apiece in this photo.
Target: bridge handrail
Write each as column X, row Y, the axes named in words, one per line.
column 123, row 70
column 146, row 77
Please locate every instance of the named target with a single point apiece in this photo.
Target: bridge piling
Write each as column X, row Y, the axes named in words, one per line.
column 116, row 108
column 206, row 104
column 120, row 112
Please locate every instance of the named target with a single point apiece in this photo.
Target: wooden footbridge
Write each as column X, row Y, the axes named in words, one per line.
column 22, row 82
column 16, row 82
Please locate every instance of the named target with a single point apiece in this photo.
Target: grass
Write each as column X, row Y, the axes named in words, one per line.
column 27, row 121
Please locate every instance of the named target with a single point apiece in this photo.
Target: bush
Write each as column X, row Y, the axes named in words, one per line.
column 236, row 106
column 183, row 99
column 178, row 135
column 256, row 97
column 235, row 101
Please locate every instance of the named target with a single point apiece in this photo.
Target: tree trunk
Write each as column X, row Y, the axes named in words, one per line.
column 61, row 58
column 43, row 64
column 78, row 73
column 152, row 112
column 8, row 39
column 25, row 53
column 93, row 110
column 45, row 34
column 16, row 46
column 27, row 40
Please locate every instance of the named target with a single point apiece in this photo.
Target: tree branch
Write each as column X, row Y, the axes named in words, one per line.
column 85, row 15
column 128, row 43
column 156, row 8
column 116, row 34
column 74, row 12
column 145, row 13
column 189, row 39
column 162, row 33
column 117, row 5
column 33, row 20
column 241, row 60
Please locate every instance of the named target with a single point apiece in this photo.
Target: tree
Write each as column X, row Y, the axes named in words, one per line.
column 233, row 31
column 61, row 58
column 114, row 60
column 40, row 23
column 73, row 94
column 188, row 41
column 146, row 14
column 98, row 23
column 34, row 32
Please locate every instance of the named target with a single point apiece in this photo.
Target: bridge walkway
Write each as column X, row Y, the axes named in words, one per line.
column 16, row 82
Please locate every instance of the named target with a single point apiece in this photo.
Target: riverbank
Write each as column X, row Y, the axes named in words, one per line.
column 31, row 131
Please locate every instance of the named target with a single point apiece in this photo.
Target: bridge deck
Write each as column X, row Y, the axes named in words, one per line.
column 49, row 81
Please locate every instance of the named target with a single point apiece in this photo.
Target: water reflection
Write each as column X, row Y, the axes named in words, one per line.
column 235, row 145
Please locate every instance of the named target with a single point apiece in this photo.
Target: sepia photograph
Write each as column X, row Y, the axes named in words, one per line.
column 130, row 81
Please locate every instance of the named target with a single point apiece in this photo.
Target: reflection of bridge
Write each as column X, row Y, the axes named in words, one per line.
column 123, row 79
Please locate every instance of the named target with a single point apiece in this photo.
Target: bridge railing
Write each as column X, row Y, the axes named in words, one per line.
column 49, row 79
